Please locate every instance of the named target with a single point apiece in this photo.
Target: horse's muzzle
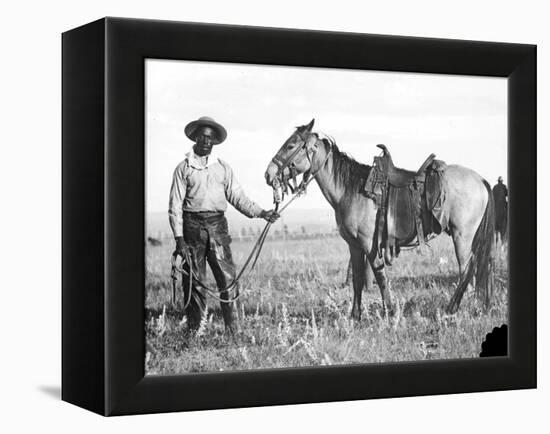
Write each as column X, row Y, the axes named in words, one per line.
column 271, row 173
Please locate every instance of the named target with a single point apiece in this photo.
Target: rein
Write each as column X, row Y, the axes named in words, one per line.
column 297, row 191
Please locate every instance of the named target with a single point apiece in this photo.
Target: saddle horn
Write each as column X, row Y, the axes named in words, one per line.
column 383, row 147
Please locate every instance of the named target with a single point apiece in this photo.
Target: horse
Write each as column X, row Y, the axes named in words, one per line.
column 468, row 204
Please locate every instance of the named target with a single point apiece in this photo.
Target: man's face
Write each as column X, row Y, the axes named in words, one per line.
column 203, row 145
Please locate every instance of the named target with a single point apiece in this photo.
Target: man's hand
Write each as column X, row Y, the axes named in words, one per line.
column 271, row 216
column 181, row 248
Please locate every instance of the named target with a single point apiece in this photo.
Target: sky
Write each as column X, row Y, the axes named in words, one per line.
column 462, row 119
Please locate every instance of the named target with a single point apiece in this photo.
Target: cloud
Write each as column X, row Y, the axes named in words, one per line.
column 461, row 119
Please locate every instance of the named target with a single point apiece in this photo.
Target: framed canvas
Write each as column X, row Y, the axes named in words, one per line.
column 133, row 90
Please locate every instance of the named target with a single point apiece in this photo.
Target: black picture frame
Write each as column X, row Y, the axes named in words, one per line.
column 103, row 215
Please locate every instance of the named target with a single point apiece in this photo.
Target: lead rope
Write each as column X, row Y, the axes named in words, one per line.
column 255, row 253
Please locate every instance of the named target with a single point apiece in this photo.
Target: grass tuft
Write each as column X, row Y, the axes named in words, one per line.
column 296, row 312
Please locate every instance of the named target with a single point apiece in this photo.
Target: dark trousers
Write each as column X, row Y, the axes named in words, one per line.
column 501, row 217
column 206, row 233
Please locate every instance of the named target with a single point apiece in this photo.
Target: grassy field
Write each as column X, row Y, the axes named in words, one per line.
column 295, row 312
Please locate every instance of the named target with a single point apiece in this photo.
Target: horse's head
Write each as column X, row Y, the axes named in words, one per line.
column 294, row 157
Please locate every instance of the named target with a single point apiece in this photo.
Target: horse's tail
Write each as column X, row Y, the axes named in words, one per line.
column 481, row 260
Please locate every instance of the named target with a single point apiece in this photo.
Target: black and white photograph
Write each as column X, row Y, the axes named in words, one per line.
column 300, row 216
column 275, row 217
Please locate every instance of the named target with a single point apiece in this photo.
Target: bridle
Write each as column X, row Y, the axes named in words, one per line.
column 283, row 163
column 290, row 162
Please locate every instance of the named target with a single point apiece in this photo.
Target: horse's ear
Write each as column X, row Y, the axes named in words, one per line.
column 310, row 125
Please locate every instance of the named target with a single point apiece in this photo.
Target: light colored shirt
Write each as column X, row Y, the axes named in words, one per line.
column 205, row 184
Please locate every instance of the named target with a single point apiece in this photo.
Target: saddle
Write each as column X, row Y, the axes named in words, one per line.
column 409, row 203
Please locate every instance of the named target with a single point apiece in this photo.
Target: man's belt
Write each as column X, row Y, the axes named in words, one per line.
column 202, row 215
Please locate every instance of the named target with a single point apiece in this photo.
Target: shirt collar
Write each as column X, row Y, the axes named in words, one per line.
column 195, row 161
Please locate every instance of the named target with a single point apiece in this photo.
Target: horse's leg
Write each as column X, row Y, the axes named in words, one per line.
column 378, row 268
column 348, row 274
column 358, row 273
column 368, row 276
column 463, row 249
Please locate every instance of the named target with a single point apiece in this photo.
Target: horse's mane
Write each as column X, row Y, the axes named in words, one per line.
column 346, row 171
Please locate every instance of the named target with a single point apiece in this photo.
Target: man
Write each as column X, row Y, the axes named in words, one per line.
column 201, row 187
column 500, row 195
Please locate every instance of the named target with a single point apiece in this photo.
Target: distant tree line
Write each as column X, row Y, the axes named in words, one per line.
column 251, row 234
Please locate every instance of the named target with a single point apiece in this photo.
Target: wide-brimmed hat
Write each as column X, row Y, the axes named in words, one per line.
column 204, row 121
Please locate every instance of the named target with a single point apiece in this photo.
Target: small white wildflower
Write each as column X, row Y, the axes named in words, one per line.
column 314, row 325
column 327, row 361
column 203, row 324
column 244, row 354
column 310, row 351
column 161, row 322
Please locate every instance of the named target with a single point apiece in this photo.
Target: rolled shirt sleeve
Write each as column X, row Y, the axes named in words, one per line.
column 235, row 195
column 177, row 196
